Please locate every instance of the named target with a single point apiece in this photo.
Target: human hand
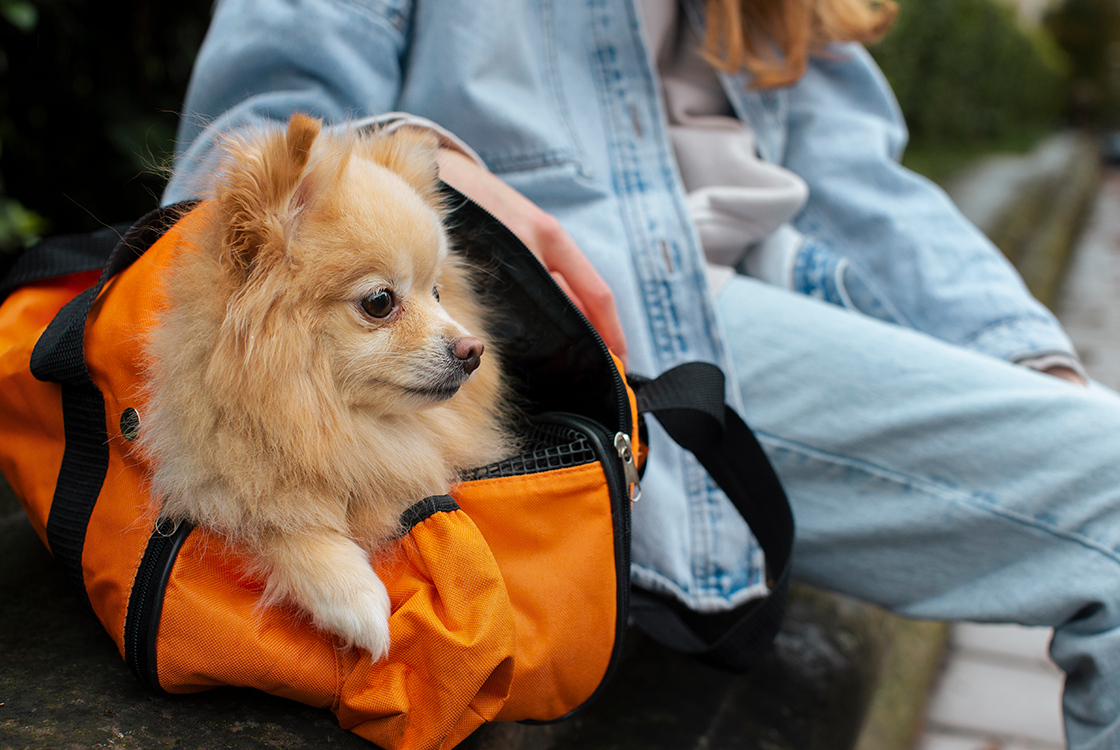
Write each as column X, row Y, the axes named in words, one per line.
column 546, row 238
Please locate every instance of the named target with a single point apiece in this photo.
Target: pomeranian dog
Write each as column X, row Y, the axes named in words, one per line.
column 318, row 366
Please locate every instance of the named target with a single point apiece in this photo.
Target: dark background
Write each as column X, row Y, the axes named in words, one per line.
column 89, row 96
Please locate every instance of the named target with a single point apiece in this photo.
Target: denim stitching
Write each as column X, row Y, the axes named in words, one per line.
column 974, row 500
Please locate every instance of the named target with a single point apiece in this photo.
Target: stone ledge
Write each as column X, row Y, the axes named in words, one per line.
column 812, row 692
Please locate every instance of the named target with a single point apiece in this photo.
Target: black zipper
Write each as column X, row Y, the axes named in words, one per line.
column 602, row 441
column 145, row 603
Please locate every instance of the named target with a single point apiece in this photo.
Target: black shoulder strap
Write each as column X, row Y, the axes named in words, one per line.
column 688, row 402
column 59, row 357
column 60, row 256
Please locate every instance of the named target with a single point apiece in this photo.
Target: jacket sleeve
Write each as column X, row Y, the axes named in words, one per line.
column 262, row 60
column 947, row 279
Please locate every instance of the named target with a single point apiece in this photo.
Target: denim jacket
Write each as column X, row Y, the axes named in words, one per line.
column 561, row 100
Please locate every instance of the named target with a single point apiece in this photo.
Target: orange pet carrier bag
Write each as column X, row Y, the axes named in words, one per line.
column 510, row 596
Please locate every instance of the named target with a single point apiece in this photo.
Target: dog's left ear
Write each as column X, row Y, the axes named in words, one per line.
column 411, row 154
column 263, row 191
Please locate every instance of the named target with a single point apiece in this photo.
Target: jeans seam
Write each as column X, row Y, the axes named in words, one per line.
column 970, row 499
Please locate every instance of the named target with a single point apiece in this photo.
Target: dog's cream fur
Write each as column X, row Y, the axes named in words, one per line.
column 287, row 412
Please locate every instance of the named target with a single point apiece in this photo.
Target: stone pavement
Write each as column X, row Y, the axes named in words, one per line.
column 1089, row 306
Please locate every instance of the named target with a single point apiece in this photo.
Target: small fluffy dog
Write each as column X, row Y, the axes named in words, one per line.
column 317, row 367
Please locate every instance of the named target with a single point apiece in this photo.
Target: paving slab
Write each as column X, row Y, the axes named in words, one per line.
column 1089, row 305
column 1032, row 206
column 1014, row 643
column 1005, row 700
column 944, row 741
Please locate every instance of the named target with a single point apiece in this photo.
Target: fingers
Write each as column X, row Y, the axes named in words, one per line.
column 1066, row 373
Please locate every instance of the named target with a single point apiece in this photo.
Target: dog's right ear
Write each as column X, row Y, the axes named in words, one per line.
column 263, row 192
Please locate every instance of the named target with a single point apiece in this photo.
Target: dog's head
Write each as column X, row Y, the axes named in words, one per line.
column 336, row 252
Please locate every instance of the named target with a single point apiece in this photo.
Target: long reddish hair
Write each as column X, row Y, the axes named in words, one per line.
column 773, row 39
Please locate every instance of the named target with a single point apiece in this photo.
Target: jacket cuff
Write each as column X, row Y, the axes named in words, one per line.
column 1057, row 359
column 1030, row 341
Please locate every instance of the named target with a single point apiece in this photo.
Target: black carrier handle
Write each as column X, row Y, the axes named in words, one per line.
column 688, row 401
column 59, row 357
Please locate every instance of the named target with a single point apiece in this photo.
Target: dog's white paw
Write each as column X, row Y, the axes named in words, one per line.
column 360, row 619
column 330, row 578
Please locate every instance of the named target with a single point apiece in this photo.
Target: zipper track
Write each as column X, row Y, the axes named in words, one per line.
column 602, row 440
column 145, row 603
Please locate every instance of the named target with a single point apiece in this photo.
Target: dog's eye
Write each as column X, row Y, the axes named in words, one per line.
column 379, row 304
column 435, row 292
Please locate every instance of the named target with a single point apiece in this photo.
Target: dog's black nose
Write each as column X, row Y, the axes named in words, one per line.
column 468, row 350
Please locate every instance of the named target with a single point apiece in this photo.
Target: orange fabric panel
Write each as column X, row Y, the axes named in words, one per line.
column 214, row 632
column 552, row 535
column 450, row 664
column 30, row 432
column 452, row 659
column 29, row 309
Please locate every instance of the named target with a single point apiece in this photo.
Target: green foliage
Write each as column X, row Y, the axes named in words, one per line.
column 966, row 73
column 18, row 226
column 89, row 96
column 1089, row 32
column 20, row 14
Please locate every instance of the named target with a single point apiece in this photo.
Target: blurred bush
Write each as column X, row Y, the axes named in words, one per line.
column 1089, row 32
column 966, row 73
column 89, row 95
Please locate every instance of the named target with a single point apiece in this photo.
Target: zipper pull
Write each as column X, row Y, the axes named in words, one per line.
column 629, row 468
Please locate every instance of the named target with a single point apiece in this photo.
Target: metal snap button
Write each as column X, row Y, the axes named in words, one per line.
column 130, row 424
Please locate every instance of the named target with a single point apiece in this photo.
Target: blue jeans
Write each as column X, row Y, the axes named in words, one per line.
column 942, row 483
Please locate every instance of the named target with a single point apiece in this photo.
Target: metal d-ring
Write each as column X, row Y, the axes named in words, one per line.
column 161, row 527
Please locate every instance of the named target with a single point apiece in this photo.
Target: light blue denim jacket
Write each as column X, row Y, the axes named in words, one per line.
column 561, row 99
